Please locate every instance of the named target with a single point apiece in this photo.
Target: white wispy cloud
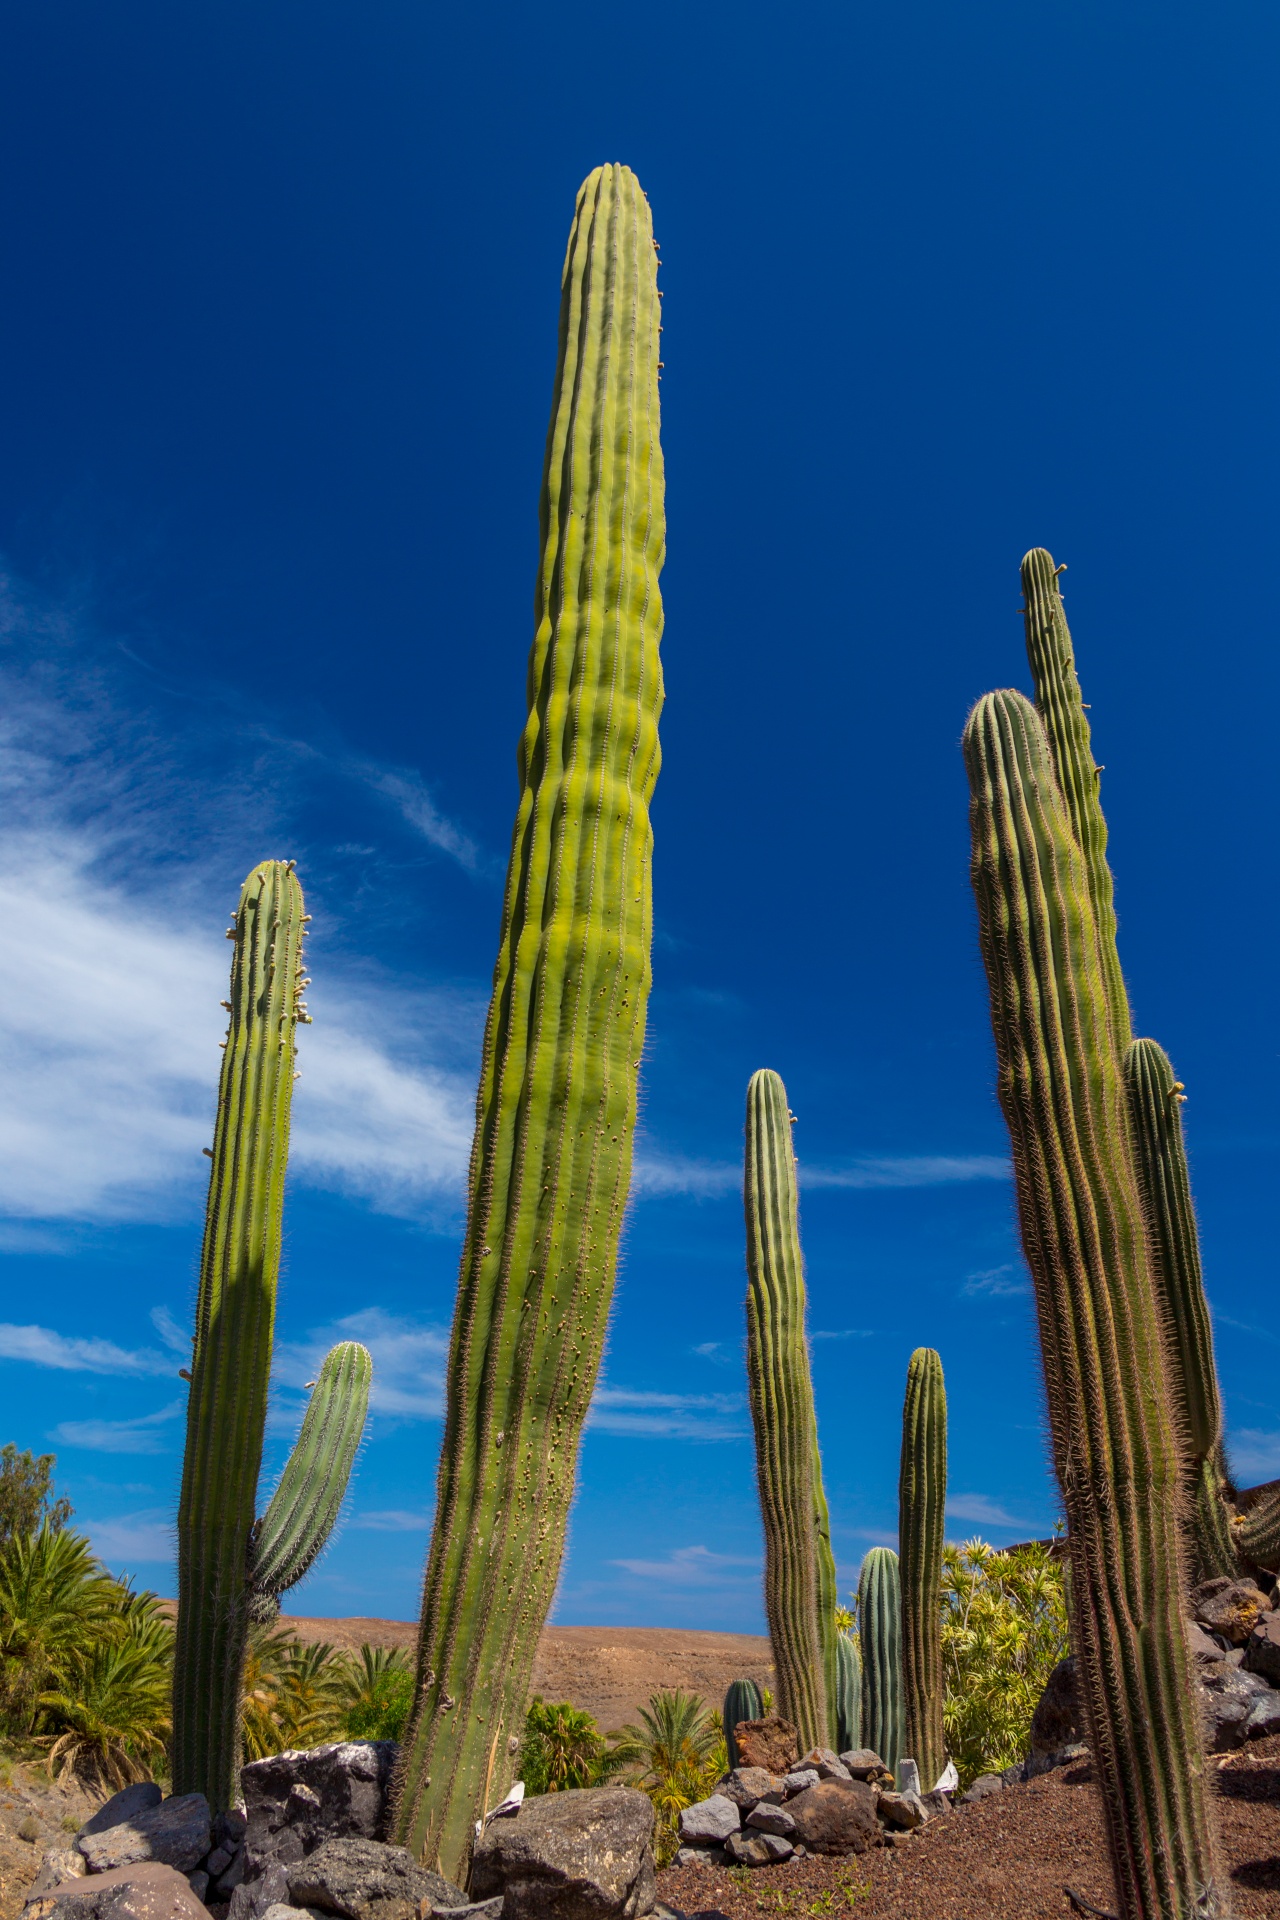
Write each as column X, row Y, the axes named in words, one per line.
column 408, row 1361
column 391, row 1520
column 73, row 1353
column 408, row 792
column 135, row 1539
column 660, row 1173
column 656, row 1173
column 996, row 1282
column 671, row 1416
column 691, row 1567
column 983, row 1511
column 846, row 1333
column 170, row 1332
column 1254, row 1453
column 142, row 1435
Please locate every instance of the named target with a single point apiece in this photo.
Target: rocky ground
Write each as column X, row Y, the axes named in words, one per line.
column 34, row 1814
column 1007, row 1858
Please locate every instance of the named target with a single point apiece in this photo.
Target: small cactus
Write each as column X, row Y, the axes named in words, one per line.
column 848, row 1693
column 922, row 1500
column 741, row 1702
column 880, row 1639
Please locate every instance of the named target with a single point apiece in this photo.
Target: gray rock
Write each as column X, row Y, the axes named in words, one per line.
column 281, row 1910
column 122, row 1806
column 746, row 1785
column 709, row 1822
column 797, row 1782
column 1057, row 1720
column 584, row 1854
column 1203, row 1646
column 823, row 1762
column 1264, row 1716
column 701, row 1857
column 863, row 1764
column 198, row 1883
column 777, row 1846
column 767, row 1819
column 368, row 1880
column 982, row 1788
column 218, row 1862
column 749, row 1850
column 1262, row 1648
column 836, row 1816
column 1229, row 1607
column 908, row 1776
column 479, row 1909
column 146, row 1890
column 937, row 1801
column 1228, row 1696
column 175, row 1833
column 294, row 1801
column 900, row 1810
column 250, row 1900
column 58, row 1864
column 1037, row 1763
column 229, row 1829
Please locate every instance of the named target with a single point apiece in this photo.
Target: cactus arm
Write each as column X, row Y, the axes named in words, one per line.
column 304, row 1507
column 1061, row 708
column 1256, row 1532
column 1155, row 1115
column 922, row 1500
column 1111, row 1422
column 848, row 1694
column 235, row 1315
column 828, row 1596
column 880, row 1637
column 781, row 1395
column 556, row 1108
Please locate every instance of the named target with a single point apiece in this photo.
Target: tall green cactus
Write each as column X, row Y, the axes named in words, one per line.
column 1155, row 1114
column 551, row 1162
column 230, row 1566
column 880, row 1638
column 848, row 1714
column 799, row 1575
column 922, row 1501
column 741, row 1702
column 1046, row 933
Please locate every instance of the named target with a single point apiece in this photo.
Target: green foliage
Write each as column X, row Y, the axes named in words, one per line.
column 676, row 1754
column 56, row 1600
column 112, row 1700
column 375, row 1693
column 563, row 1747
column 26, row 1495
column 1004, row 1630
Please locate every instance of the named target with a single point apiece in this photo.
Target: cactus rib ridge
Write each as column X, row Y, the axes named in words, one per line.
column 922, row 1500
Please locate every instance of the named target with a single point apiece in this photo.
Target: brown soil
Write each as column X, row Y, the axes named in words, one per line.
column 1007, row 1858
column 55, row 1808
column 606, row 1671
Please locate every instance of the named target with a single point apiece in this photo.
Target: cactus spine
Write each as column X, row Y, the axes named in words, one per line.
column 741, row 1702
column 551, row 1161
column 1155, row 1115
column 848, row 1694
column 230, row 1566
column 1060, row 1029
column 788, row 1471
column 922, row 1500
column 880, row 1637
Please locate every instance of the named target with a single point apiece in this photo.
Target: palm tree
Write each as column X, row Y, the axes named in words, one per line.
column 56, row 1603
column 563, row 1747
column 374, row 1692
column 113, row 1701
column 291, row 1693
column 676, row 1756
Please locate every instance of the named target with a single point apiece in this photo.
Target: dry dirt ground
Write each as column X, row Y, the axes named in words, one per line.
column 1007, row 1858
column 34, row 1814
column 606, row 1671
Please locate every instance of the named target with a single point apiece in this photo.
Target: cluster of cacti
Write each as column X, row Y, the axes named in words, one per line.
column 922, row 1500
column 1061, row 1023
column 799, row 1578
column 232, row 1567
column 741, row 1702
column 556, row 1111
column 880, row 1637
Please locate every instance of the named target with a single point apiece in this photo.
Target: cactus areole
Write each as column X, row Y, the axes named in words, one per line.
column 551, row 1160
column 1061, row 1030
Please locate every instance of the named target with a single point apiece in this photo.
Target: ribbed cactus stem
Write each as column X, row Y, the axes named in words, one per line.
column 848, row 1694
column 741, row 1702
column 922, row 1500
column 551, row 1161
column 1155, row 1113
column 1113, row 1429
column 1061, row 708
column 880, row 1639
column 781, row 1394
column 304, row 1508
column 235, row 1317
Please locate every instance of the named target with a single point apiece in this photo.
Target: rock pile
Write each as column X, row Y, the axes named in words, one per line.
column 819, row 1803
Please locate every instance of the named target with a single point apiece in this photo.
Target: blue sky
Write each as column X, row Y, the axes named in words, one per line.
column 940, row 283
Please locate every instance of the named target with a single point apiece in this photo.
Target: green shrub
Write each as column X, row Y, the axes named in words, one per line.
column 375, row 1691
column 676, row 1756
column 563, row 1747
column 1004, row 1629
